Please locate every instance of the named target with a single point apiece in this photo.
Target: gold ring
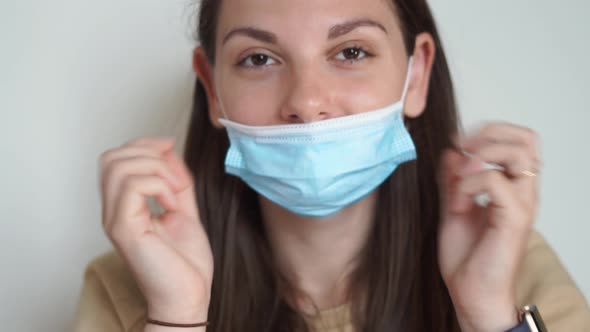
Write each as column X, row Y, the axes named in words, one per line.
column 528, row 173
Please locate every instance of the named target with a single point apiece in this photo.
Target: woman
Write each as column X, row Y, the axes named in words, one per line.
column 324, row 188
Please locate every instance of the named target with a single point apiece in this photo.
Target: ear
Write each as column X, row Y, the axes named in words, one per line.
column 424, row 52
column 204, row 71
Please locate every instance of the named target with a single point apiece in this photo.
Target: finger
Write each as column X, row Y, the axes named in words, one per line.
column 178, row 166
column 503, row 198
column 147, row 146
column 186, row 194
column 115, row 173
column 160, row 144
column 450, row 165
column 460, row 203
column 131, row 213
column 126, row 152
column 108, row 157
column 515, row 159
column 145, row 165
column 502, row 132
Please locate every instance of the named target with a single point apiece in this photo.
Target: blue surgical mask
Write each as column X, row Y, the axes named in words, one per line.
column 316, row 169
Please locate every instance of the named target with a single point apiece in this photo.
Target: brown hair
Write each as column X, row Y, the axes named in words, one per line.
column 399, row 261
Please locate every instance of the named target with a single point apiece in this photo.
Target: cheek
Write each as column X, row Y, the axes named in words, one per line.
column 251, row 103
column 369, row 93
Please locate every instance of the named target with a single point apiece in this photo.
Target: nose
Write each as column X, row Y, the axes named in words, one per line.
column 308, row 99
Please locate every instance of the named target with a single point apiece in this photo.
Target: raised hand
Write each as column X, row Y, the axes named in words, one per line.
column 481, row 248
column 169, row 255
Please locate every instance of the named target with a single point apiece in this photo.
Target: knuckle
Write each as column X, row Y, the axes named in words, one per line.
column 487, row 127
column 488, row 150
column 112, row 170
column 155, row 162
column 131, row 183
column 105, row 157
column 157, row 166
column 136, row 141
column 493, row 176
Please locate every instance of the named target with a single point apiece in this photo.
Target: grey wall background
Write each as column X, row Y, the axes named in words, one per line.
column 78, row 77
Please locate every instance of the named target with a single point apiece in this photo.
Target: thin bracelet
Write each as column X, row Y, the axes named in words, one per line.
column 158, row 322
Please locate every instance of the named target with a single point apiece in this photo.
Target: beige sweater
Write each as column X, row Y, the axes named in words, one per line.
column 111, row 301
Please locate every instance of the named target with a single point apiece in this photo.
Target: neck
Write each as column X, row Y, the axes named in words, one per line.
column 318, row 254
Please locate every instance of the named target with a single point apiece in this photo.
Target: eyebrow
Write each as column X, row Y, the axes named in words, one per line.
column 344, row 28
column 334, row 32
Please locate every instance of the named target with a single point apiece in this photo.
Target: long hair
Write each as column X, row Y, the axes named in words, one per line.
column 397, row 284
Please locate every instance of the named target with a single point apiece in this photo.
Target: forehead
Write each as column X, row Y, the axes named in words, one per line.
column 300, row 17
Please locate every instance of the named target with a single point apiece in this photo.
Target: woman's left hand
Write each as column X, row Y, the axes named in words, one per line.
column 481, row 248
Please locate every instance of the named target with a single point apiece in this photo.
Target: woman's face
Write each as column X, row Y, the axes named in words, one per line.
column 285, row 61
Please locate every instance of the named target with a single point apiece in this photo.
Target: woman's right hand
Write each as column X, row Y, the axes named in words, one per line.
column 169, row 255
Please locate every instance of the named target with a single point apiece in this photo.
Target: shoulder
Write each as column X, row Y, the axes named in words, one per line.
column 544, row 281
column 110, row 290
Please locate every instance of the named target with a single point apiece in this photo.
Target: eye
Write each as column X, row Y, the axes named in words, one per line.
column 352, row 54
column 257, row 60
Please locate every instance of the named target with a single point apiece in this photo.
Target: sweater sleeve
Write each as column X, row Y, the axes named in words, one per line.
column 545, row 282
column 95, row 311
column 109, row 299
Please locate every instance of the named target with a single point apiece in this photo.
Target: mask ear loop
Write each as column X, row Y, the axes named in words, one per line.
column 405, row 91
column 407, row 81
column 221, row 105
